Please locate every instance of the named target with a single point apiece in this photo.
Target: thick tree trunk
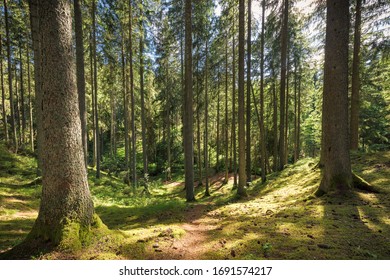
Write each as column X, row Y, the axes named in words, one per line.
column 78, row 22
column 241, row 101
column 248, row 96
column 188, row 110
column 284, row 34
column 354, row 124
column 66, row 209
column 336, row 173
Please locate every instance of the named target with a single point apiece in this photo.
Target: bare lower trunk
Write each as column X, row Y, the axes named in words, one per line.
column 66, row 209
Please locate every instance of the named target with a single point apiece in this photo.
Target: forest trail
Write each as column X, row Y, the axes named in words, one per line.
column 194, row 243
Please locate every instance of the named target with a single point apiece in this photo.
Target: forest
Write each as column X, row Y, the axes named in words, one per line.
column 210, row 129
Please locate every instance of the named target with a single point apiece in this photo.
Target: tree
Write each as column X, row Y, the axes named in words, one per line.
column 336, row 173
column 282, row 125
column 11, row 96
column 66, row 209
column 241, row 109
column 78, row 21
column 4, row 114
column 262, row 129
column 354, row 123
column 248, row 95
column 188, row 107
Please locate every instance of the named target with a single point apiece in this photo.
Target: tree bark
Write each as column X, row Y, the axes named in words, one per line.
column 226, row 116
column 235, row 183
column 97, row 129
column 66, row 209
column 141, row 73
column 78, row 22
column 132, row 100
column 336, row 173
column 22, row 101
column 206, row 124
column 188, row 104
column 4, row 113
column 262, row 130
column 30, row 106
column 11, row 96
column 248, row 96
column 241, row 101
column 284, row 34
column 354, row 124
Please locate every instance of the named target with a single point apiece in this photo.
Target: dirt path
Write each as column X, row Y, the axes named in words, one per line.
column 195, row 242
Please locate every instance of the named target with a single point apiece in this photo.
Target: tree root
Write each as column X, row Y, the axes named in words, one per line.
column 361, row 184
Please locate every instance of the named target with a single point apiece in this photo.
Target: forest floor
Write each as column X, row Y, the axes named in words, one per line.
column 278, row 220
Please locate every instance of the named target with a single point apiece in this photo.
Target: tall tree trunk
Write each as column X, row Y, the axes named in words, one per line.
column 275, row 119
column 354, row 124
column 141, row 73
column 112, row 116
column 36, row 43
column 22, row 101
column 218, row 124
column 11, row 96
column 241, row 101
column 235, row 183
column 295, row 111
column 98, row 146
column 78, row 22
column 132, row 100
column 206, row 124
column 286, row 123
column 336, row 174
column 94, row 138
column 248, row 96
column 30, row 106
column 226, row 116
column 188, row 110
column 299, row 115
column 262, row 130
column 66, row 209
column 198, row 137
column 126, row 109
column 284, row 35
column 4, row 113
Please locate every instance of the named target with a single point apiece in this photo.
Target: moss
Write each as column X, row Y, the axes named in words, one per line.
column 361, row 184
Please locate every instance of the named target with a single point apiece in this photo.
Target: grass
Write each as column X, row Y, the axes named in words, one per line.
column 279, row 220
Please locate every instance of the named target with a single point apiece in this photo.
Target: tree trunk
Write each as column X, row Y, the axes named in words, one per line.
column 78, row 22
column 98, row 146
column 336, row 173
column 22, row 102
column 141, row 74
column 30, row 106
column 284, row 34
column 262, row 130
column 218, row 121
column 241, row 101
column 235, row 184
column 188, row 110
column 4, row 113
column 206, row 124
column 126, row 110
column 354, row 125
column 132, row 100
column 94, row 142
column 226, row 116
column 36, row 43
column 66, row 210
column 11, row 96
column 248, row 97
column 198, row 139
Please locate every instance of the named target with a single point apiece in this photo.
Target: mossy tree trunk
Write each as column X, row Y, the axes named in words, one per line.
column 336, row 173
column 66, row 205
